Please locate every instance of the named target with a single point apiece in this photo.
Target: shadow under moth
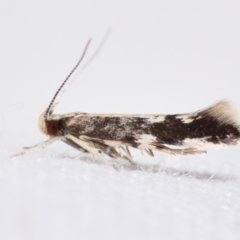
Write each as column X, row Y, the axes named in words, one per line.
column 111, row 135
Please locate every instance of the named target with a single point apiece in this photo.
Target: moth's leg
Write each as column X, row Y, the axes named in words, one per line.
column 188, row 151
column 121, row 146
column 127, row 155
column 109, row 148
column 183, row 151
column 99, row 143
column 33, row 148
column 73, row 144
column 149, row 152
column 89, row 147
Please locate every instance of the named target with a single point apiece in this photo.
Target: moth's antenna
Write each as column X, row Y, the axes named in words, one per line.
column 87, row 63
column 102, row 43
column 64, row 82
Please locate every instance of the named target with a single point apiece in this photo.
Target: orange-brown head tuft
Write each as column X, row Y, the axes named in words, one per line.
column 48, row 127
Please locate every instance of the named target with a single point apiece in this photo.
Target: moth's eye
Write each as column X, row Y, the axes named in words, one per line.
column 52, row 127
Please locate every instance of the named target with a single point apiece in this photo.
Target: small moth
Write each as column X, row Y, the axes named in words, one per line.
column 111, row 135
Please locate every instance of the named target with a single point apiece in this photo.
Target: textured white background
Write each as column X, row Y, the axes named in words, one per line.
column 161, row 57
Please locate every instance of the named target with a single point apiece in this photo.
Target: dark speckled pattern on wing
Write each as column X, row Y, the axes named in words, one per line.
column 172, row 129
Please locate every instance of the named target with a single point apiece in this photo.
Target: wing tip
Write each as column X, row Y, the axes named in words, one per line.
column 224, row 112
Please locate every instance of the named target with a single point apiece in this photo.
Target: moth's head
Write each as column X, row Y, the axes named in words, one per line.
column 47, row 125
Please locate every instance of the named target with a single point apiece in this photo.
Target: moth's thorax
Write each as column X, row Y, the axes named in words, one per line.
column 48, row 127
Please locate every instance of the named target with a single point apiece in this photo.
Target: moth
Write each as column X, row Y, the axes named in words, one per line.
column 111, row 135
